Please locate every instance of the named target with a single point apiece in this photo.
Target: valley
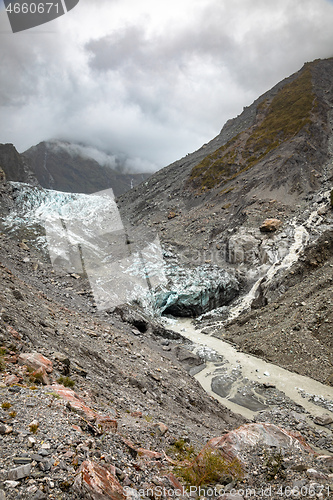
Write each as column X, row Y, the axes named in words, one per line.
column 192, row 310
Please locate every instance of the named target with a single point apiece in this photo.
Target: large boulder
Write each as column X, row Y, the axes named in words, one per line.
column 238, row 441
column 270, row 225
column 95, row 482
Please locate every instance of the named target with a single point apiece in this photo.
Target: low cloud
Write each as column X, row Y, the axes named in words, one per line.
column 150, row 85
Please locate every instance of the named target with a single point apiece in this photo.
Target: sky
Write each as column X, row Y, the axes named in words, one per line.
column 151, row 80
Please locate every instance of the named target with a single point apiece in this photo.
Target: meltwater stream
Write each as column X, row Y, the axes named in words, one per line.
column 240, row 378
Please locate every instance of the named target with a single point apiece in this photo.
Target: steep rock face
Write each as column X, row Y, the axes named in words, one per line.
column 272, row 162
column 14, row 166
column 57, row 166
column 277, row 149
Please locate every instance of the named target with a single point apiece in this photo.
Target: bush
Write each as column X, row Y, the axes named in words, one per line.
column 210, row 467
column 66, row 381
column 181, row 450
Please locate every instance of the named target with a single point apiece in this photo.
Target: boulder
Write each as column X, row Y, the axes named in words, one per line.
column 36, row 361
column 11, row 379
column 233, row 444
column 95, row 482
column 323, row 420
column 19, row 472
column 270, row 225
column 242, row 248
column 188, row 358
column 76, row 404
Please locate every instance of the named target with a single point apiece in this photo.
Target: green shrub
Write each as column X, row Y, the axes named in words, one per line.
column 181, row 450
column 37, row 378
column 66, row 381
column 289, row 111
column 33, row 428
column 209, row 468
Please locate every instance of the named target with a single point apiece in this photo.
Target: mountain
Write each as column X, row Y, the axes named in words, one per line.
column 99, row 399
column 66, row 167
column 15, row 166
column 265, row 162
column 251, row 203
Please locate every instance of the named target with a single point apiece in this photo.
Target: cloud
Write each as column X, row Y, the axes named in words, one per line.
column 151, row 81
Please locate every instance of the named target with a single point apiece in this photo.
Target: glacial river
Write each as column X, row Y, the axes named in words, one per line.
column 239, row 376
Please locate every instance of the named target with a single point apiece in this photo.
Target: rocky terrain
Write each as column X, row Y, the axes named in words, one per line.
column 101, row 403
column 272, row 162
column 130, row 412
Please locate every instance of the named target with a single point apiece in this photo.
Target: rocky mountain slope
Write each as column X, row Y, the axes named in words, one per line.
column 268, row 161
column 273, row 162
column 14, row 166
column 101, row 405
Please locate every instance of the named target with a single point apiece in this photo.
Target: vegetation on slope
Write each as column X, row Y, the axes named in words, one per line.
column 278, row 120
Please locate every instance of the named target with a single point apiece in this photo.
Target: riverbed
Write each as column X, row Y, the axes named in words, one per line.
column 244, row 383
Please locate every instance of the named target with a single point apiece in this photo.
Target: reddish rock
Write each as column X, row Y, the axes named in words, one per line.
column 77, row 404
column 141, row 451
column 161, row 428
column 77, row 428
column 235, row 442
column 175, row 483
column 13, row 332
column 106, row 423
column 270, row 225
column 11, row 379
column 94, row 482
column 137, row 414
column 36, row 361
column 41, row 375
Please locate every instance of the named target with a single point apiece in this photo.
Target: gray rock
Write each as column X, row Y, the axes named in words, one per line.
column 5, row 429
column 19, row 472
column 323, row 420
column 186, row 356
column 39, row 495
column 11, row 484
column 2, row 495
column 43, row 452
column 22, row 460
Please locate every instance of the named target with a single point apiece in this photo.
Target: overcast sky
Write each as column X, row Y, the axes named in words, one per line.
column 151, row 79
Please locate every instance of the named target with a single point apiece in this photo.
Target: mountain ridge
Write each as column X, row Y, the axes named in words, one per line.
column 61, row 166
column 176, row 176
